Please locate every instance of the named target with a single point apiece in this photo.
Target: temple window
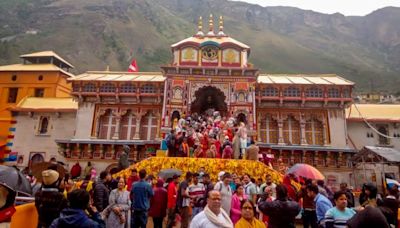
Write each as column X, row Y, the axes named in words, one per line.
column 346, row 93
column 241, row 97
column 270, row 92
column 291, row 92
column 89, row 87
column 178, row 93
column 148, row 88
column 107, row 88
column 291, row 131
column 314, row 132
column 128, row 88
column 269, row 130
column 75, row 87
column 107, row 125
column 43, row 125
column 12, row 95
column 128, row 126
column 333, row 93
column 383, row 140
column 39, row 92
column 314, row 92
column 148, row 126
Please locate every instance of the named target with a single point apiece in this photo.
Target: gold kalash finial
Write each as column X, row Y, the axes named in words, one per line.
column 200, row 27
column 221, row 26
column 211, row 25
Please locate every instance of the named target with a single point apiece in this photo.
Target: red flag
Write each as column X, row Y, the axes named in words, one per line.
column 133, row 67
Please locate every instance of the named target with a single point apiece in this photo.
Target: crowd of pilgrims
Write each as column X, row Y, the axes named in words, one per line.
column 208, row 136
column 196, row 201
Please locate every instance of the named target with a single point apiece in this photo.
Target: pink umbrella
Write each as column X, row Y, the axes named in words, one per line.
column 307, row 171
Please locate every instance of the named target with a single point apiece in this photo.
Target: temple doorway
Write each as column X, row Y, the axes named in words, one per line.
column 209, row 98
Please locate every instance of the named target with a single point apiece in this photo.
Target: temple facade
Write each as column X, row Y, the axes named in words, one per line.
column 293, row 118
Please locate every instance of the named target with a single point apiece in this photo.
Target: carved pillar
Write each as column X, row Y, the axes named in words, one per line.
column 158, row 126
column 258, row 128
column 303, row 139
column 280, row 133
column 324, row 135
column 117, row 126
column 291, row 158
column 315, row 159
column 90, row 150
column 328, row 158
column 68, row 150
column 102, row 152
column 137, row 127
column 339, row 159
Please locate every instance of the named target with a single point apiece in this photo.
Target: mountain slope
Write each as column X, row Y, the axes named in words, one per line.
column 95, row 33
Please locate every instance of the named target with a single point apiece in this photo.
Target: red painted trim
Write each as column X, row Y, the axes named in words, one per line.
column 231, row 64
column 189, row 63
column 10, row 136
column 209, row 64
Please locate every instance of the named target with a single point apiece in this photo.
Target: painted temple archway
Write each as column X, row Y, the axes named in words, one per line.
column 209, row 97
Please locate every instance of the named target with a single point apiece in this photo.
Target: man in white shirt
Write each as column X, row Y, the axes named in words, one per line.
column 213, row 215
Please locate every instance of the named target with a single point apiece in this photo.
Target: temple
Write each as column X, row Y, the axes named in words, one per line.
column 298, row 118
column 293, row 118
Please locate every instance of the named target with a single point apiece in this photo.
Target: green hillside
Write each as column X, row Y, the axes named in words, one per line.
column 93, row 34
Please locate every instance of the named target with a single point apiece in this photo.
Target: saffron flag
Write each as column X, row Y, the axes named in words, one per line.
column 133, row 67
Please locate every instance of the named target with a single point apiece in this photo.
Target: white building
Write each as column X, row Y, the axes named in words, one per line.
column 374, row 129
column 39, row 122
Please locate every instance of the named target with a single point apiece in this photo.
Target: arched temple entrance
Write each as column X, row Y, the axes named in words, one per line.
column 207, row 98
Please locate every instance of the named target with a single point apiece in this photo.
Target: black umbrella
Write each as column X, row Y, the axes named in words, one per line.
column 169, row 173
column 12, row 177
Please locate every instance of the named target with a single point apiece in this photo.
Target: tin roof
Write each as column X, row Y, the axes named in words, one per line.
column 47, row 54
column 303, row 79
column 119, row 76
column 34, row 67
column 46, row 104
column 374, row 112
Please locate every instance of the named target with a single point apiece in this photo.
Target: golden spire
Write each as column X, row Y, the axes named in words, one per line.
column 200, row 27
column 210, row 25
column 221, row 26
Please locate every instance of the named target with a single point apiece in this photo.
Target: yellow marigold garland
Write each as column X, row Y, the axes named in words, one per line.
column 153, row 165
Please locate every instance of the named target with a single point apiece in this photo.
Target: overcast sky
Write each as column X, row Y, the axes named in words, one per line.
column 346, row 7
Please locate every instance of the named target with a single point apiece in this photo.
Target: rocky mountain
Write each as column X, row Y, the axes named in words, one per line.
column 93, row 34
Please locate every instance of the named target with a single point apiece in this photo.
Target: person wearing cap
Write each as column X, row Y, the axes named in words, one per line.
column 49, row 201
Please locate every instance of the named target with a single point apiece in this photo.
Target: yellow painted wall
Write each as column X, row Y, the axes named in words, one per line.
column 26, row 216
column 54, row 83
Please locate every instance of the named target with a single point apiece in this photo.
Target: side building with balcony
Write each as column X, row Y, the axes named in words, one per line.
column 114, row 109
column 301, row 119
